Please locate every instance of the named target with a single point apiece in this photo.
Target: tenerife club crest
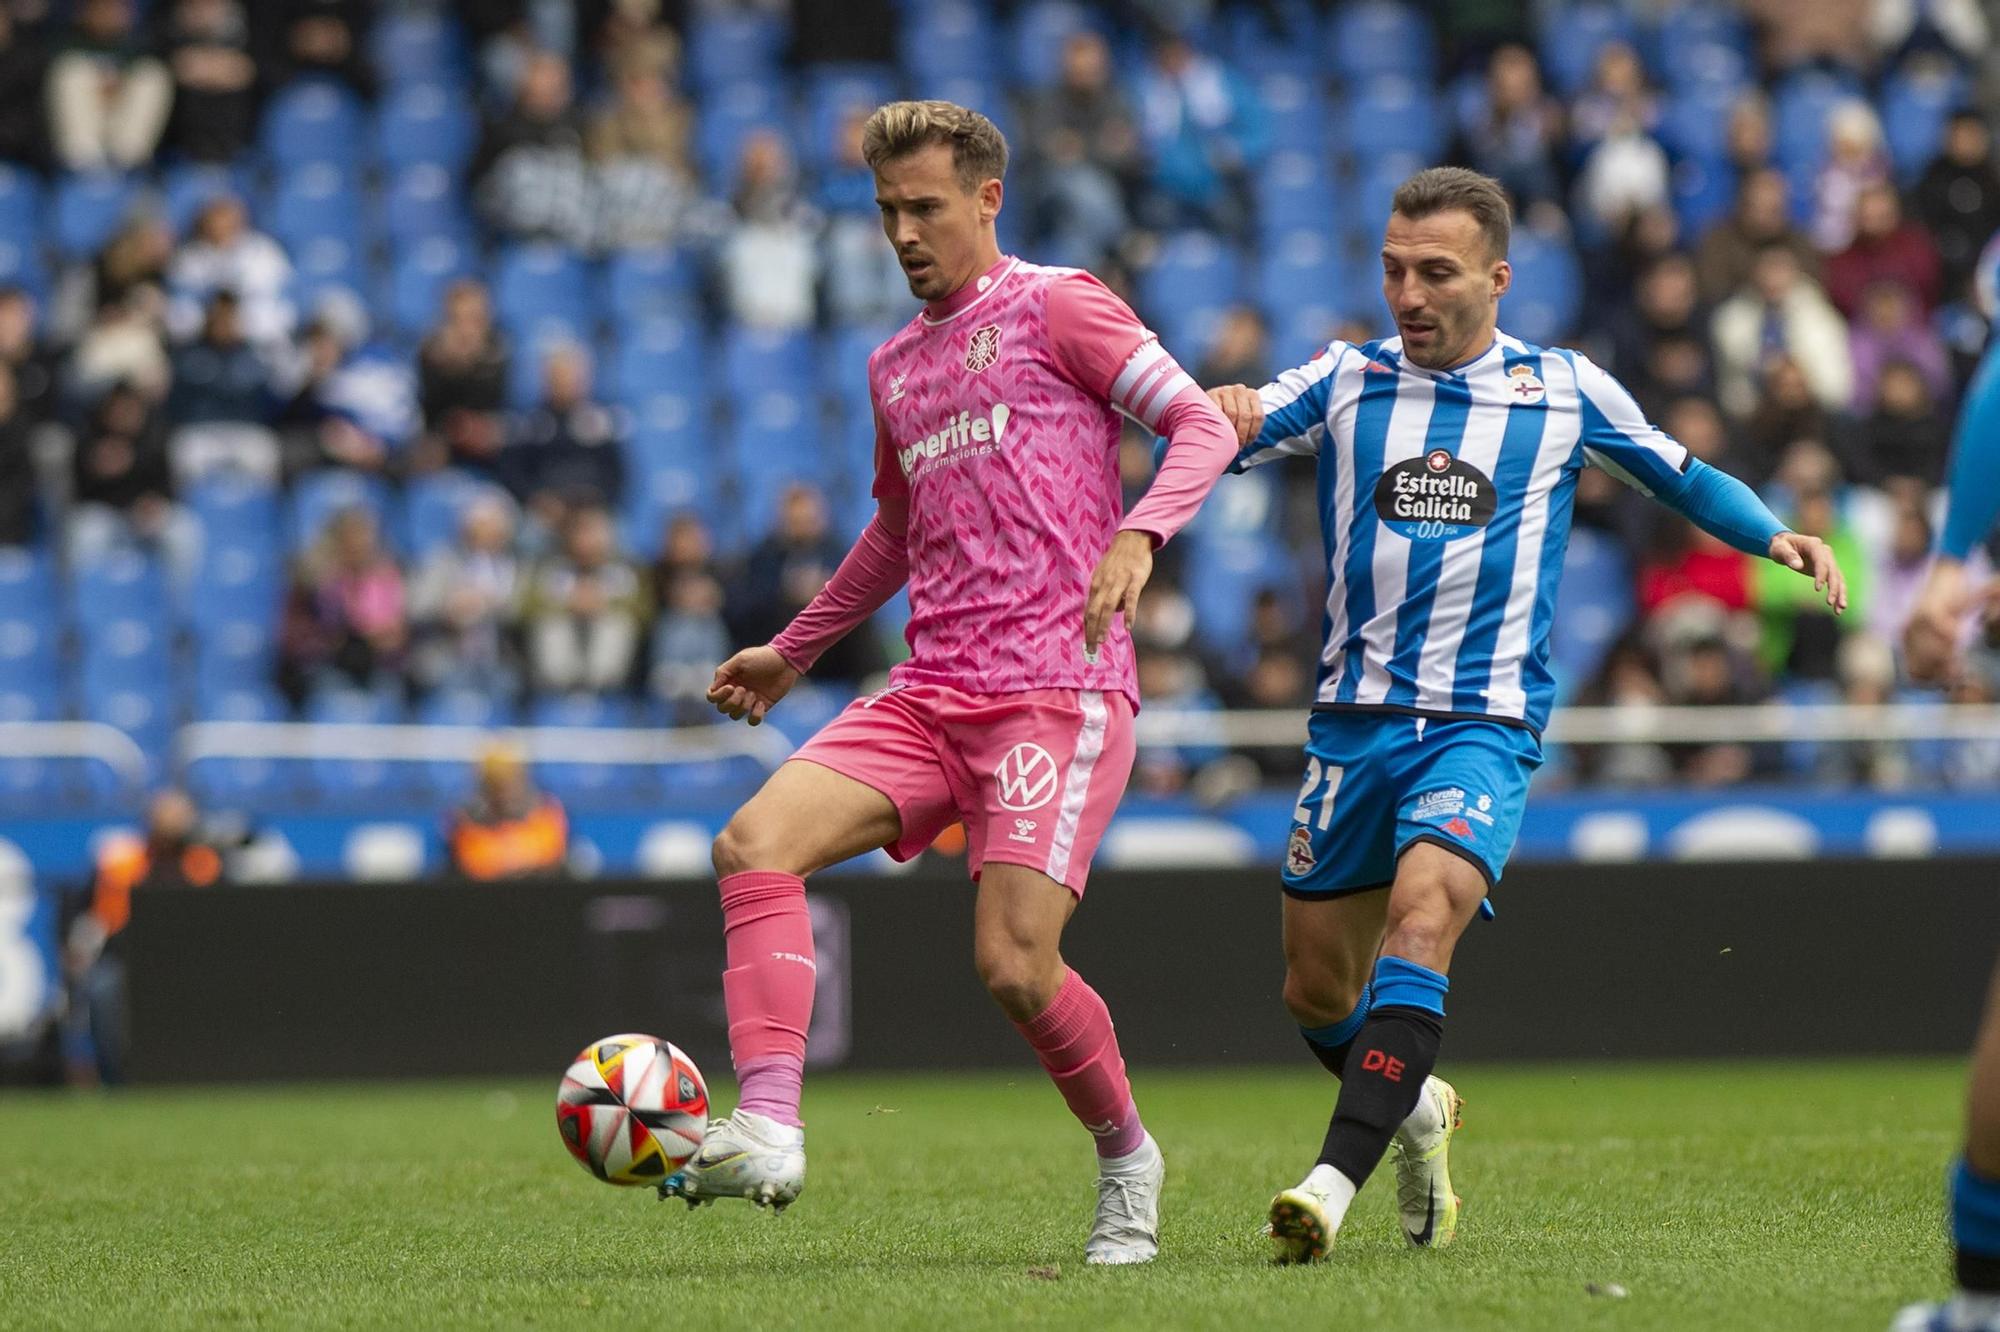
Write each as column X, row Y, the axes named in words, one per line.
column 983, row 349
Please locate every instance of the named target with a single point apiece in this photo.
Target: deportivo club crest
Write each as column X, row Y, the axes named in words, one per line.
column 984, row 348
column 1523, row 384
column 1299, row 853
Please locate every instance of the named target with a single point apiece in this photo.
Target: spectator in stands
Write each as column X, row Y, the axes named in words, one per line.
column 1890, row 327
column 1750, row 138
column 1887, row 247
column 1762, row 218
column 225, row 253
column 1687, row 562
column 132, row 264
column 585, row 609
column 1956, row 28
column 315, row 39
column 1799, row 642
column 639, row 147
column 108, row 96
column 24, row 132
column 568, row 449
column 1517, row 136
column 344, row 623
column 33, row 364
column 221, row 402
column 1897, row 572
column 689, row 638
column 357, row 407
column 769, row 254
column 1206, row 131
column 1906, row 434
column 1626, row 679
column 786, row 570
column 121, row 345
column 1240, row 352
column 207, row 48
column 1618, row 95
column 1083, row 154
column 686, row 551
column 864, row 283
column 1789, row 415
column 1833, row 31
column 1172, row 680
column 1781, row 310
column 507, row 829
column 531, row 177
column 1625, row 175
column 1855, row 160
column 1958, row 199
column 464, row 601
column 1676, row 364
column 173, row 852
column 462, row 370
column 122, row 491
column 18, row 478
column 1665, row 304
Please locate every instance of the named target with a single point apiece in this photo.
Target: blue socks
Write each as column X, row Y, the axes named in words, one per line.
column 1975, row 1228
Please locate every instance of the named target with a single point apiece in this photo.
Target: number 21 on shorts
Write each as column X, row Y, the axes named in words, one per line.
column 1316, row 772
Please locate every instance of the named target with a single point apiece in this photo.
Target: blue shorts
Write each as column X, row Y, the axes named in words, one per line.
column 1376, row 782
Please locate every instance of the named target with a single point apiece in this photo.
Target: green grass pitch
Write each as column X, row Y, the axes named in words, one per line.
column 1756, row 1197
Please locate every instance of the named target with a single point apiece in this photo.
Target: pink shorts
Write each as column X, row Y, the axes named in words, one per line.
column 1034, row 776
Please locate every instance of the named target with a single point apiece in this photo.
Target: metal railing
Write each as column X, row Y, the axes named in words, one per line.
column 433, row 744
column 76, row 740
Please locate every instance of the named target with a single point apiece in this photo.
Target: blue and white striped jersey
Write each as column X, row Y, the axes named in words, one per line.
column 1445, row 500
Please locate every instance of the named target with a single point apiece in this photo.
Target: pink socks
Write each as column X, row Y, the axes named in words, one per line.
column 1074, row 1039
column 768, row 988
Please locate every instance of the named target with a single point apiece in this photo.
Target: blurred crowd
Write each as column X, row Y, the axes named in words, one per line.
column 1808, row 329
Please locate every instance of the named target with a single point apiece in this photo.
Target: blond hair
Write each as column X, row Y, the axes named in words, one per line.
column 978, row 149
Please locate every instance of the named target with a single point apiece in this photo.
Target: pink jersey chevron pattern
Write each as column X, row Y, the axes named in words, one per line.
column 1011, row 469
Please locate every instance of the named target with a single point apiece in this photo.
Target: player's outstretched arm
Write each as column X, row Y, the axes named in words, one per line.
column 1931, row 638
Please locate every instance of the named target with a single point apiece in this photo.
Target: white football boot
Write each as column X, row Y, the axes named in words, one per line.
column 744, row 1156
column 1127, row 1228
column 1423, row 1167
column 1305, row 1219
column 1967, row 1313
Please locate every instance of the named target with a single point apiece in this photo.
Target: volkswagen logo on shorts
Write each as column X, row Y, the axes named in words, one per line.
column 1027, row 778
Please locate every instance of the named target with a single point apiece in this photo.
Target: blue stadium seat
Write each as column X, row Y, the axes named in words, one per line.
column 733, row 46
column 1374, row 37
column 418, row 278
column 1691, row 25
column 314, row 120
column 29, row 784
column 1375, row 185
column 29, row 638
column 27, row 581
column 234, row 506
column 188, row 187
column 126, row 652
column 730, row 115
column 1295, row 47
column 146, row 715
column 21, row 205
column 1547, row 295
column 318, row 495
column 661, row 355
column 237, row 650
column 124, row 584
column 423, row 201
column 234, row 783
column 328, row 263
column 240, row 574
column 752, row 358
column 1301, row 272
column 1705, row 66
column 1703, row 192
column 1295, row 193
column 1393, row 115
column 1914, row 107
column 777, row 435
column 1035, row 43
column 587, row 783
column 1595, row 605
column 357, row 781
column 417, row 45
column 1300, row 117
column 433, row 506
column 542, row 290
column 1195, row 273
column 1694, row 123
column 950, row 41
column 833, row 92
column 671, row 428
column 311, row 202
column 638, row 285
column 449, row 779
column 425, row 124
column 1799, row 114
column 88, row 209
column 843, row 364
column 661, row 490
column 21, row 266
column 1224, row 576
column 1574, row 36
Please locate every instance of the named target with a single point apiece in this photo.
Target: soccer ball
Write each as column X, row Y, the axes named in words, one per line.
column 632, row 1109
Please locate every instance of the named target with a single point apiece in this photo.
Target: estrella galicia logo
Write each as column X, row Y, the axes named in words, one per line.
column 1434, row 498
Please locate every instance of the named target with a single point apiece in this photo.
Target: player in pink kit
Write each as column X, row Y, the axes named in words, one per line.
column 997, row 418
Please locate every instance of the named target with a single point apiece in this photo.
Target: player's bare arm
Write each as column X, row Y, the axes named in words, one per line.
column 1813, row 557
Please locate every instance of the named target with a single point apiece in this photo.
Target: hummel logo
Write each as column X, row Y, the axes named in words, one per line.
column 1024, row 831
column 896, row 388
column 1104, row 1130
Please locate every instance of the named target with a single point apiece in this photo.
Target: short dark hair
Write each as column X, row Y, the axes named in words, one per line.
column 978, row 149
column 1445, row 189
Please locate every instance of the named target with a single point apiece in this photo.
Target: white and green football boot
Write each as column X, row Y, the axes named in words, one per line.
column 744, row 1156
column 1966, row 1313
column 1423, row 1168
column 1304, row 1219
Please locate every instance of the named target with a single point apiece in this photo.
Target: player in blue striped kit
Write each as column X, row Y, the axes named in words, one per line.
column 1447, row 461
column 1931, row 653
